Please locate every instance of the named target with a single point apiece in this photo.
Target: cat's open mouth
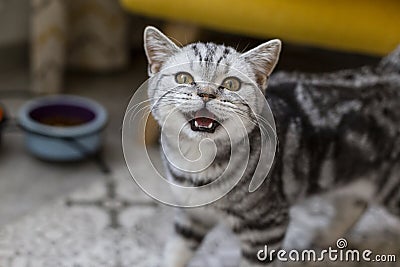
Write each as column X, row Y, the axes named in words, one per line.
column 204, row 121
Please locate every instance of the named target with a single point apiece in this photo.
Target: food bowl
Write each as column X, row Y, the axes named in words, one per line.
column 62, row 127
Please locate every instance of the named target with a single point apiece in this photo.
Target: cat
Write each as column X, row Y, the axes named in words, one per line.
column 337, row 132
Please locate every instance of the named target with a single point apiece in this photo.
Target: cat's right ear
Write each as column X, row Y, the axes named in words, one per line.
column 263, row 59
column 158, row 48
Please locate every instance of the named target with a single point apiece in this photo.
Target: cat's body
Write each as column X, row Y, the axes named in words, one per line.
column 331, row 135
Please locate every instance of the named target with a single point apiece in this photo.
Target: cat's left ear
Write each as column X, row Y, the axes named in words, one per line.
column 158, row 48
column 263, row 59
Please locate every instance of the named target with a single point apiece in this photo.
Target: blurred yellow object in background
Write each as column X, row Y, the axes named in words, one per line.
column 363, row 26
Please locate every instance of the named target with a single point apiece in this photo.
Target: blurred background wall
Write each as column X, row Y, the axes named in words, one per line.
column 14, row 31
column 51, row 37
column 14, row 26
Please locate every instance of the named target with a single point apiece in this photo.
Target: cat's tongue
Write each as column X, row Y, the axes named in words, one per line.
column 204, row 118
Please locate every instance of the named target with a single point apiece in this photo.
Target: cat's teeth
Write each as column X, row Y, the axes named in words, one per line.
column 209, row 126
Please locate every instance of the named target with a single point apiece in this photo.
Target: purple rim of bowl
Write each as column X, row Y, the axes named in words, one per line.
column 92, row 113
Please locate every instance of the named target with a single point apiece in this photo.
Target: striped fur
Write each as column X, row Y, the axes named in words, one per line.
column 333, row 130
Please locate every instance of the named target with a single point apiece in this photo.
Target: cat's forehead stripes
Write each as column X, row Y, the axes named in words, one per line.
column 209, row 59
column 197, row 51
column 210, row 52
column 224, row 55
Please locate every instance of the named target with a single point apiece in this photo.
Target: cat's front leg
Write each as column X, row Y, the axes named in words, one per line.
column 261, row 241
column 350, row 204
column 178, row 252
column 256, row 255
column 186, row 238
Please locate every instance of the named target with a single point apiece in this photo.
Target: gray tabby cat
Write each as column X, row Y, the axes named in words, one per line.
column 336, row 132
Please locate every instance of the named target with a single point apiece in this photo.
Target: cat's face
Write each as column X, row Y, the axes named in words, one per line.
column 207, row 90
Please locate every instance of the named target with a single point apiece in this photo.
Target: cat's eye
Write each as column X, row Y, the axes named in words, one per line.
column 184, row 78
column 231, row 83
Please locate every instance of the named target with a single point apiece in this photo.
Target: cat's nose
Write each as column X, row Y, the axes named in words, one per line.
column 206, row 94
column 206, row 97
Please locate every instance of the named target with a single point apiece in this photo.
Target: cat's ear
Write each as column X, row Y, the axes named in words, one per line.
column 158, row 48
column 263, row 60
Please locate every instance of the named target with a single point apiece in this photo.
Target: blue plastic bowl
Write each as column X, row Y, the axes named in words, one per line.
column 62, row 127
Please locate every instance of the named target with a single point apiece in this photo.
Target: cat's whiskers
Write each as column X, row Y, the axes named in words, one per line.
column 147, row 103
column 133, row 109
column 254, row 121
column 146, row 110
